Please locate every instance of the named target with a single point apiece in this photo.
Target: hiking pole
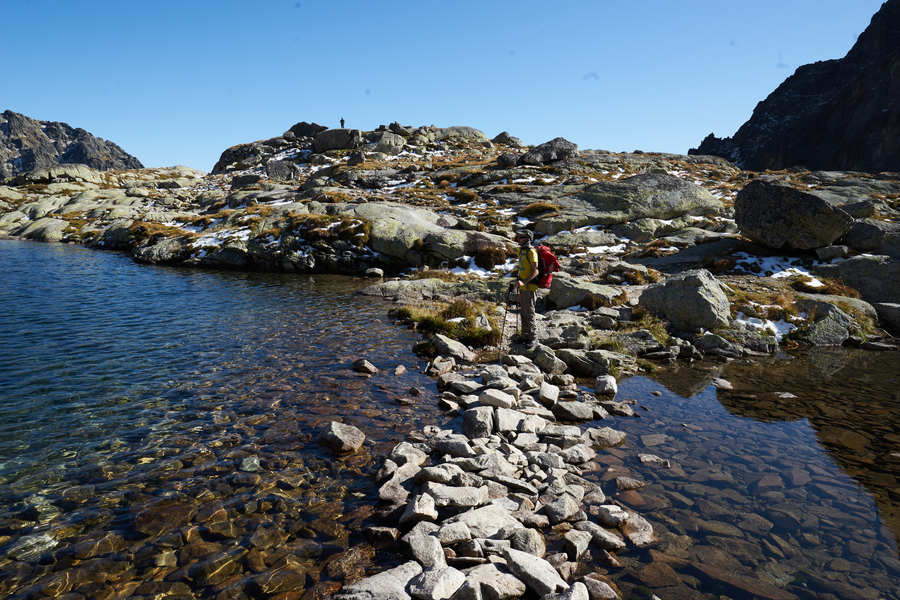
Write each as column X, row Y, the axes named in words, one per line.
column 503, row 323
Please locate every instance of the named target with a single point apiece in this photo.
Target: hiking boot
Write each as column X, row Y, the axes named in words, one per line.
column 522, row 339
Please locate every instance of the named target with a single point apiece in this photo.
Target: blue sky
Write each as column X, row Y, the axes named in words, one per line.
column 178, row 82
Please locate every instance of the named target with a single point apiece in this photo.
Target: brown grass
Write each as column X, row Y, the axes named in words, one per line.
column 508, row 188
column 834, row 287
column 636, row 277
column 714, row 264
column 653, row 248
column 538, row 208
column 644, row 319
column 431, row 321
column 437, row 274
column 488, row 258
column 765, row 300
column 152, row 231
column 463, row 195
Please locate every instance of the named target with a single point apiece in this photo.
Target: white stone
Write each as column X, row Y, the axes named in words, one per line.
column 387, row 585
column 436, row 584
column 487, row 520
column 611, row 515
column 537, row 573
column 606, row 385
column 422, row 508
column 497, row 398
column 428, row 551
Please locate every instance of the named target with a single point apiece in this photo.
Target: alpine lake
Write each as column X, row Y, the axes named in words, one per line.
column 158, row 438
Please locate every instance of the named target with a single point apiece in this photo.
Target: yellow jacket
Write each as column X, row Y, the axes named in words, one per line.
column 528, row 265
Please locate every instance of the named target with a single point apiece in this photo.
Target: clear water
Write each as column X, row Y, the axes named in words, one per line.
column 133, row 397
column 787, row 484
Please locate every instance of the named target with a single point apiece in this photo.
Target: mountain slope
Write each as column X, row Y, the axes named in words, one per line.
column 839, row 114
column 27, row 144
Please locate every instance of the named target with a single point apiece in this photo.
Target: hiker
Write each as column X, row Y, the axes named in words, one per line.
column 528, row 272
column 342, row 122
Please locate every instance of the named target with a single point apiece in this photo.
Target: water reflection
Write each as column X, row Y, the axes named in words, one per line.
column 850, row 398
column 767, row 495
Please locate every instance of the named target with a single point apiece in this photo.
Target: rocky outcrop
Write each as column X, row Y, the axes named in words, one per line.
column 833, row 114
column 27, row 144
column 556, row 149
column 780, row 216
column 337, row 139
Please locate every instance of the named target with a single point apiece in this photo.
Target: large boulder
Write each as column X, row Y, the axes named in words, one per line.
column 780, row 216
column 459, row 132
column 60, row 174
column 486, row 521
column 556, row 149
column 304, row 129
column 537, row 573
column 505, row 138
column 337, row 139
column 581, row 239
column 874, row 236
column 876, row 277
column 566, row 291
column 689, row 301
column 452, row 348
column 648, row 195
column 164, row 251
column 889, row 314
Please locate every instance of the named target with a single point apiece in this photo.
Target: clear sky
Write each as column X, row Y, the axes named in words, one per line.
column 178, row 82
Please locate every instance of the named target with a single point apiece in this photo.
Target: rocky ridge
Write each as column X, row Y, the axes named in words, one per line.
column 27, row 144
column 839, row 114
column 439, row 205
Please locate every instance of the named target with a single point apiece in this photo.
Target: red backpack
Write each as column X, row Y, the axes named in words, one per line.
column 547, row 265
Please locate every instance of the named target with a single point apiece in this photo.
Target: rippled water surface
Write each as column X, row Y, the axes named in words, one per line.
column 132, row 396
column 157, row 439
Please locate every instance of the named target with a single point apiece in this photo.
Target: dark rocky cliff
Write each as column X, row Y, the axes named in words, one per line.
column 27, row 144
column 832, row 115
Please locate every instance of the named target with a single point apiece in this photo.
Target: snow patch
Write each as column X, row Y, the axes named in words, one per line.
column 779, row 328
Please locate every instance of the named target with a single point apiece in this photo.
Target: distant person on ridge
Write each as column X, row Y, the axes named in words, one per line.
column 342, row 122
column 528, row 272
